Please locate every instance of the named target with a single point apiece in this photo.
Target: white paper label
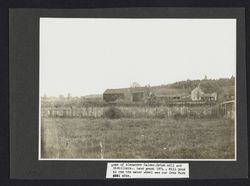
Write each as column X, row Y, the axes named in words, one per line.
column 147, row 170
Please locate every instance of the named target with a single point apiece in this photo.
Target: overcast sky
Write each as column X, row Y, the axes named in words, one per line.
column 85, row 56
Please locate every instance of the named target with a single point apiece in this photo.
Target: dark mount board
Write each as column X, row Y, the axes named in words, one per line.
column 24, row 94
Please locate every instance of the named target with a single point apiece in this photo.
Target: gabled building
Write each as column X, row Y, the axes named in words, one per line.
column 198, row 95
column 135, row 94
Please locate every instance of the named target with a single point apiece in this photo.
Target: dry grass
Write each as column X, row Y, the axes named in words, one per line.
column 137, row 138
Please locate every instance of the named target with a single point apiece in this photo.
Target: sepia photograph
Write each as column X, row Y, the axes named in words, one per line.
column 137, row 89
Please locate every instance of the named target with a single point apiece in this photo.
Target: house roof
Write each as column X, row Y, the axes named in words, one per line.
column 197, row 89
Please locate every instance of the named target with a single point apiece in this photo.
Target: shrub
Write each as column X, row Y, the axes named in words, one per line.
column 113, row 113
column 177, row 115
column 160, row 114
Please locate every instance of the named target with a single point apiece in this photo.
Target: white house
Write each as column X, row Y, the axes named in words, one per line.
column 196, row 94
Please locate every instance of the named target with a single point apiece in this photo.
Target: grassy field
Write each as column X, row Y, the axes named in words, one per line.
column 137, row 138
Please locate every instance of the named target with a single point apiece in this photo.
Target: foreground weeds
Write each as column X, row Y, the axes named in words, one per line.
column 157, row 138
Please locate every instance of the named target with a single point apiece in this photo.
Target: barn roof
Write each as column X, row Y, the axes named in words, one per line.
column 117, row 91
column 125, row 90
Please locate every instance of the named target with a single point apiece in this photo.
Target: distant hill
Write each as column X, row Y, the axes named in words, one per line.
column 93, row 96
column 207, row 85
column 222, row 86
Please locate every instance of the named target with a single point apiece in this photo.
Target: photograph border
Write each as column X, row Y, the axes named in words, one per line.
column 24, row 61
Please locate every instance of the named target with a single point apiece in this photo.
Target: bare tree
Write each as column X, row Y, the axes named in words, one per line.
column 135, row 84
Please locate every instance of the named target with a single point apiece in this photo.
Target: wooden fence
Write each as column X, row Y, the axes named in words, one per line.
column 135, row 112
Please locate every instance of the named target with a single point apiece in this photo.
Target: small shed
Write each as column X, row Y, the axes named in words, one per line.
column 209, row 96
column 228, row 93
column 228, row 108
